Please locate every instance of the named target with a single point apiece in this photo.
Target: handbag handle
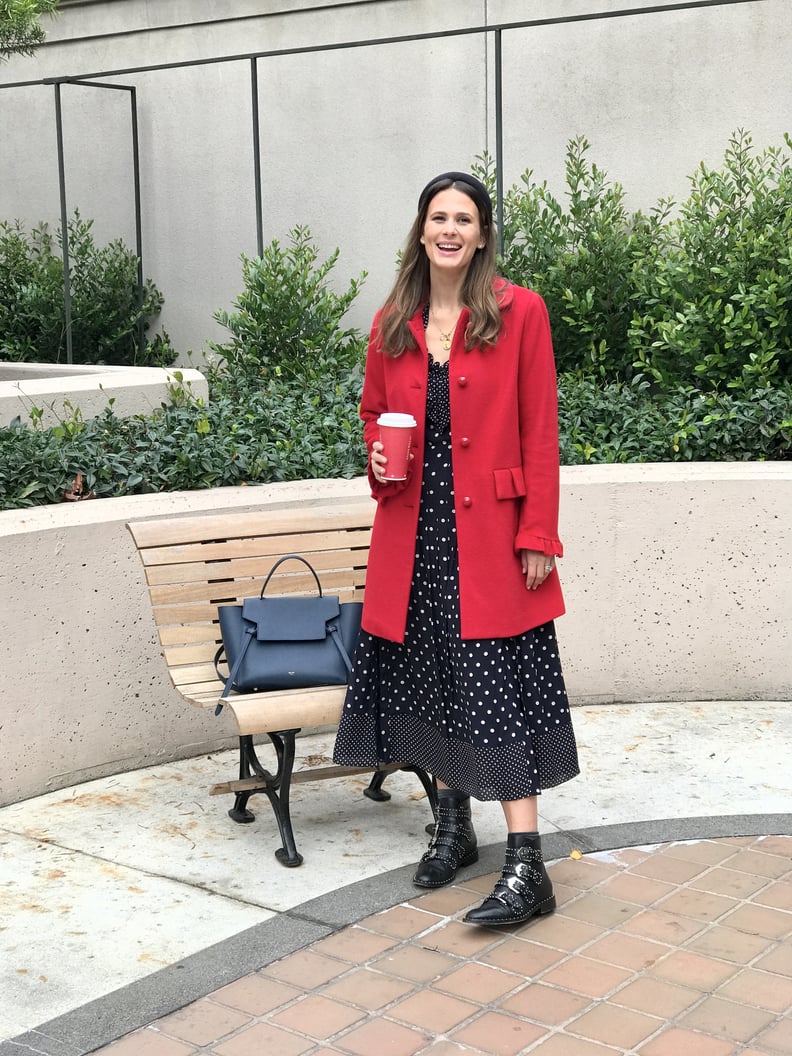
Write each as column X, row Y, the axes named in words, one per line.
column 292, row 557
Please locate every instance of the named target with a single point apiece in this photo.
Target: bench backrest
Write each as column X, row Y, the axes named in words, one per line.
column 193, row 564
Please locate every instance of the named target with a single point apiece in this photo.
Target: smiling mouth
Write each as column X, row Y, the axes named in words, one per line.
column 447, row 246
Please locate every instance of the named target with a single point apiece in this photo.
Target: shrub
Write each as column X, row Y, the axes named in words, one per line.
column 629, row 423
column 580, row 258
column 106, row 310
column 714, row 292
column 287, row 321
column 697, row 295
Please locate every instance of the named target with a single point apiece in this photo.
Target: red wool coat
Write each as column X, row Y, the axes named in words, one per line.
column 504, row 451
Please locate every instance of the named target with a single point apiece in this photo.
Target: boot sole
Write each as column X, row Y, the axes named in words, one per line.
column 543, row 909
column 469, row 859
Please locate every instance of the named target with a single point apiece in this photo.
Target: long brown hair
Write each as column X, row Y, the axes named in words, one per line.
column 411, row 289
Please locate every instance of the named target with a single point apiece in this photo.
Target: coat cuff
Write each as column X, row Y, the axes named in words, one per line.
column 551, row 547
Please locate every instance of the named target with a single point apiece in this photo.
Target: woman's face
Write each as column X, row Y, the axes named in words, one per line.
column 452, row 231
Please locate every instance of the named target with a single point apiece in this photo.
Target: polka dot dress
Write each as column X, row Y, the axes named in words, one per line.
column 487, row 717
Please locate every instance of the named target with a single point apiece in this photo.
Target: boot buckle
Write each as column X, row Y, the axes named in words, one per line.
column 528, row 854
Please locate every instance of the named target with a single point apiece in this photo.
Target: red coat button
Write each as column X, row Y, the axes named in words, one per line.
column 462, row 382
column 465, row 441
column 467, row 501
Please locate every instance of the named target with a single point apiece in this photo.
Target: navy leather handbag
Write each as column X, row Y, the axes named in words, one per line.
column 287, row 643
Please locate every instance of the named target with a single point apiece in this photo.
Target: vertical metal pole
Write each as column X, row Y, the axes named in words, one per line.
column 141, row 329
column 499, row 137
column 254, row 99
column 64, row 224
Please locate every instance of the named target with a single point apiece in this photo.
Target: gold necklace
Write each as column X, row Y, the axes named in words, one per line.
column 446, row 338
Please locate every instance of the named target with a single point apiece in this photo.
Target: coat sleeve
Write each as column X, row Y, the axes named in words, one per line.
column 538, row 407
column 373, row 403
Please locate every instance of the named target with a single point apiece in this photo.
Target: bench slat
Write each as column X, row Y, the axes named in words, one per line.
column 263, row 712
column 233, row 567
column 189, row 634
column 189, row 674
column 306, row 542
column 201, row 697
column 299, row 777
column 353, row 512
column 277, row 710
column 230, row 592
column 199, row 653
column 291, row 709
column 177, row 614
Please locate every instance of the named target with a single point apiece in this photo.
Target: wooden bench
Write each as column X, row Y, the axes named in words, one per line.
column 195, row 563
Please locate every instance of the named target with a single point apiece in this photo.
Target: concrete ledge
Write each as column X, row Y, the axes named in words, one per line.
column 677, row 582
column 48, row 387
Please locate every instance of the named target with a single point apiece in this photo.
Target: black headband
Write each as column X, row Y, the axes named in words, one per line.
column 479, row 192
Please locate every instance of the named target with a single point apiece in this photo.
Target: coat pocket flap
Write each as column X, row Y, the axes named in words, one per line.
column 290, row 619
column 509, row 483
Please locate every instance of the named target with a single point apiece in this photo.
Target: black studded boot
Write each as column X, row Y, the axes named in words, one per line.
column 453, row 843
column 524, row 889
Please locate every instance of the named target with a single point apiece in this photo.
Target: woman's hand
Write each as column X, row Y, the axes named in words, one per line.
column 536, row 567
column 378, row 462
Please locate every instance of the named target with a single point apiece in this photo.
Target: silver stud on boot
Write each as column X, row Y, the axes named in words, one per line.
column 524, row 889
column 453, row 843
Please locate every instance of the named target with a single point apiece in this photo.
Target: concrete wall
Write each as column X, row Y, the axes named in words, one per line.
column 677, row 583
column 349, row 137
column 55, row 390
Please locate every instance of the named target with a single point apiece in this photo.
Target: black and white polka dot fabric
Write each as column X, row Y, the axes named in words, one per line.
column 487, row 717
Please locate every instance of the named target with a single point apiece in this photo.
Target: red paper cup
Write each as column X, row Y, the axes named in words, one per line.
column 396, row 439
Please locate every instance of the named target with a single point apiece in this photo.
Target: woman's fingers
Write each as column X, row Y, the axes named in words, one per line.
column 378, row 462
column 536, row 567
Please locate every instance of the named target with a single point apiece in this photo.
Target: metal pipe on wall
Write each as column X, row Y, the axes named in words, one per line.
column 64, row 222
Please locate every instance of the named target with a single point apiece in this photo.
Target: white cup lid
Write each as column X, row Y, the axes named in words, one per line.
column 400, row 421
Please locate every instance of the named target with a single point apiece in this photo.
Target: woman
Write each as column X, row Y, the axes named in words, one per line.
column 457, row 668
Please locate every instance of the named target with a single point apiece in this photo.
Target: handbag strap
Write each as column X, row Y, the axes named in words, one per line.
column 292, row 557
column 249, row 632
column 338, row 641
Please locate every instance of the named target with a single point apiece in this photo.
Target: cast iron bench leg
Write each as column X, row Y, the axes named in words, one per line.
column 375, row 790
column 275, row 786
column 239, row 812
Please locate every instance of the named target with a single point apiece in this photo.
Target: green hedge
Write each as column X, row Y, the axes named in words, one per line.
column 288, row 432
column 277, row 434
column 617, row 422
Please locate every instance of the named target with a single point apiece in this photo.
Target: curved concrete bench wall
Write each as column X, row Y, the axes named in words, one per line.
column 55, row 389
column 677, row 580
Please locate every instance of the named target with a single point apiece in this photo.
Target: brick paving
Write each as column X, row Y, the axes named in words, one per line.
column 683, row 949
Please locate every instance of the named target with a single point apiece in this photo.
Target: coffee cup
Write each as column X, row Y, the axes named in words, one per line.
column 396, row 431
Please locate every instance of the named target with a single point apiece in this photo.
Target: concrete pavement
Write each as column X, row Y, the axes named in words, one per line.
column 124, row 899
